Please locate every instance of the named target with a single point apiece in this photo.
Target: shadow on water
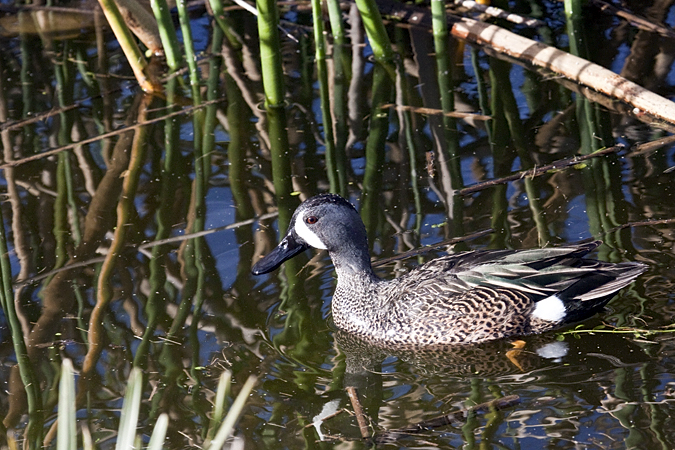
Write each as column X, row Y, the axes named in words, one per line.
column 110, row 196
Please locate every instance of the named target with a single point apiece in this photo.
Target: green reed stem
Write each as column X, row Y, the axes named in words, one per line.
column 410, row 144
column 502, row 160
column 594, row 133
column 190, row 56
column 483, row 96
column 157, row 297
column 375, row 150
column 511, row 115
column 27, row 79
column 341, row 67
column 377, row 33
column 72, row 201
column 273, row 84
column 444, row 73
column 281, row 166
column 61, row 213
column 167, row 34
column 236, row 151
column 64, row 81
column 212, row 93
column 28, row 377
column 83, row 68
column 270, row 53
column 450, row 151
column 201, row 254
column 127, row 42
column 322, row 76
column 224, row 22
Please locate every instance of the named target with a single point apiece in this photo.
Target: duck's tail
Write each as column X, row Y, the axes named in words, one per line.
column 590, row 293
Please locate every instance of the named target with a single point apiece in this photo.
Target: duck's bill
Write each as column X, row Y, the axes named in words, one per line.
column 287, row 248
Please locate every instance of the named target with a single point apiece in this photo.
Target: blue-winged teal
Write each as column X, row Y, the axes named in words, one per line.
column 468, row 297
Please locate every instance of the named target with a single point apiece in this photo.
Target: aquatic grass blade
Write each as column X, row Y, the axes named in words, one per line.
column 129, row 417
column 159, row 432
column 227, row 426
column 67, row 429
column 87, row 441
column 219, row 405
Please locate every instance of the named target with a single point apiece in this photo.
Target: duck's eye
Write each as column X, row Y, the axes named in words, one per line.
column 311, row 220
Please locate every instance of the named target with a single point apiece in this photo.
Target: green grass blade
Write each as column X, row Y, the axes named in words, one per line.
column 219, row 404
column 227, row 426
column 66, row 438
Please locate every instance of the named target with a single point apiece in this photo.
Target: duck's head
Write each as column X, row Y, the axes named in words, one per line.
column 327, row 222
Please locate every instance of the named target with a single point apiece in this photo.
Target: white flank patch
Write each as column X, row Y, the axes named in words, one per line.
column 551, row 309
column 306, row 234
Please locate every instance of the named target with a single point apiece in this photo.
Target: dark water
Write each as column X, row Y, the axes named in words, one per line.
column 187, row 310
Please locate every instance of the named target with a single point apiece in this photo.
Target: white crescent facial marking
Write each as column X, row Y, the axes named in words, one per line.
column 551, row 309
column 305, row 233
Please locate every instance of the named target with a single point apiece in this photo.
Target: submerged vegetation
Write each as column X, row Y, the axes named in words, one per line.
column 132, row 133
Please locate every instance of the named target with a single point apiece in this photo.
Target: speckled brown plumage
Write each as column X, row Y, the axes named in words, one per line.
column 465, row 298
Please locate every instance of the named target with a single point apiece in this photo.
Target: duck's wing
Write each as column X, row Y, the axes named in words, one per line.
column 537, row 273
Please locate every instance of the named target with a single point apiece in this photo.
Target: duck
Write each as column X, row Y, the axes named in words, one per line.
column 464, row 298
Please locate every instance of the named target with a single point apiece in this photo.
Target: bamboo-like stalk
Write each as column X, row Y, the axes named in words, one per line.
column 212, row 94
column 272, row 73
column 444, row 75
column 157, row 296
column 8, row 304
column 167, row 33
column 377, row 33
column 341, row 66
column 190, row 56
column 322, row 76
column 224, row 22
column 270, row 53
column 197, row 222
column 407, row 140
column 448, row 153
column 375, row 152
column 27, row 374
column 129, row 47
column 594, row 132
column 281, row 166
column 502, row 88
